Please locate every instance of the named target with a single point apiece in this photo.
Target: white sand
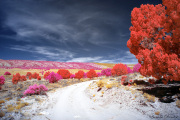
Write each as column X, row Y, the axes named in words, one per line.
column 76, row 102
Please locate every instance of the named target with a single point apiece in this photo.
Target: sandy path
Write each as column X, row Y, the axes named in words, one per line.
column 72, row 103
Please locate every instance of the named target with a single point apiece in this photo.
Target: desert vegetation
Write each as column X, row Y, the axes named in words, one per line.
column 149, row 87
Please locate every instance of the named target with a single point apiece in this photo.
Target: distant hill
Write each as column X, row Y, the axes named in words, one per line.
column 30, row 64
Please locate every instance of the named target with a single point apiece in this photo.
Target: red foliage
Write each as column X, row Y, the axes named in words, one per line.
column 23, row 78
column 35, row 75
column 92, row 73
column 155, row 39
column 46, row 74
column 119, row 69
column 123, row 79
column 30, row 77
column 64, row 73
column 29, row 74
column 79, row 74
column 16, row 78
column 39, row 78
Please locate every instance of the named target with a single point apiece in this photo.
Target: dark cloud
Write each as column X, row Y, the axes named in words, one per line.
column 92, row 29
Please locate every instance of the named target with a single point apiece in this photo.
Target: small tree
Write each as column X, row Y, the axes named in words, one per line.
column 155, row 39
column 64, row 73
column 119, row 69
column 92, row 73
column 79, row 74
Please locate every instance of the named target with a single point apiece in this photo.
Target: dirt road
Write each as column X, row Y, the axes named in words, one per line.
column 72, row 103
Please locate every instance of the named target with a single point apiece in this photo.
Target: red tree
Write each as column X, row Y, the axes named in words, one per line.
column 79, row 74
column 92, row 73
column 155, row 38
column 64, row 73
column 119, row 69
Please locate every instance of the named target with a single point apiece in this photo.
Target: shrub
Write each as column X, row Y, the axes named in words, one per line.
column 129, row 69
column 46, row 74
column 30, row 77
column 119, row 69
column 29, row 74
column 79, row 74
column 100, row 83
column 85, row 75
column 109, row 86
column 64, row 73
column 136, row 67
column 7, row 73
column 72, row 76
column 106, row 72
column 36, row 90
column 35, row 75
column 99, row 74
column 92, row 73
column 16, row 78
column 2, row 79
column 23, row 78
column 53, row 77
column 39, row 78
column 20, row 105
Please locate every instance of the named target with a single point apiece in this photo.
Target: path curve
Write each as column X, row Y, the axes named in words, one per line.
column 73, row 104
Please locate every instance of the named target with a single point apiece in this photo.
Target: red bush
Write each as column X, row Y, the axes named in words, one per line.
column 28, row 74
column 64, row 73
column 16, row 78
column 39, row 78
column 119, row 69
column 46, row 74
column 92, row 73
column 79, row 74
column 30, row 77
column 35, row 75
column 23, row 78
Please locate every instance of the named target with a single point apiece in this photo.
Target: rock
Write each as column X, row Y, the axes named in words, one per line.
column 25, row 114
column 166, row 99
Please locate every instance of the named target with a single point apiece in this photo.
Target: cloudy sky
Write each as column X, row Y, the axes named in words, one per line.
column 67, row 30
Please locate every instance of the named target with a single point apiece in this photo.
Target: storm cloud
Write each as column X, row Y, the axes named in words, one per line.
column 68, row 30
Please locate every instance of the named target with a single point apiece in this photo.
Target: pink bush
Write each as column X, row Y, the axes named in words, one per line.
column 106, row 72
column 7, row 73
column 85, row 75
column 136, row 67
column 99, row 74
column 36, row 90
column 53, row 77
column 72, row 76
column 129, row 69
column 2, row 79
